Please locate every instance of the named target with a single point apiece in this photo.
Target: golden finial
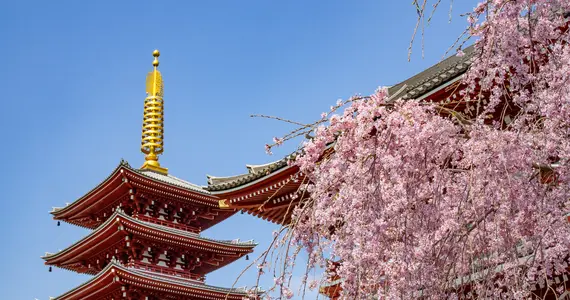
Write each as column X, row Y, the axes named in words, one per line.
column 153, row 119
column 156, row 54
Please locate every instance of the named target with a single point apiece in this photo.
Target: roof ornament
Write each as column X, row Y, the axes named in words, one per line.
column 152, row 143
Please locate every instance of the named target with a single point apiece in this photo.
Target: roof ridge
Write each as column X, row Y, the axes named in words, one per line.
column 172, row 180
column 446, row 69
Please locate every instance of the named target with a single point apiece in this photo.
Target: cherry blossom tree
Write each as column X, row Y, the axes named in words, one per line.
column 419, row 199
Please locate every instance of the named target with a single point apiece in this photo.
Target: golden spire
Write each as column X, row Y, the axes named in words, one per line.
column 153, row 120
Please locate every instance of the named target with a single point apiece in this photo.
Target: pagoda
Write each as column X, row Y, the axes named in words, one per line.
column 145, row 241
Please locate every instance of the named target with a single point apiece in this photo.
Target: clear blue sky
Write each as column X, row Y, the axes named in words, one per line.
column 73, row 80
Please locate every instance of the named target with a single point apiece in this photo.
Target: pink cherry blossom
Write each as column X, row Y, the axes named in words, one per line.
column 414, row 203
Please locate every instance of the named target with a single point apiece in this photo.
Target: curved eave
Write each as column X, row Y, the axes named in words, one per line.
column 270, row 198
column 115, row 275
column 280, row 216
column 119, row 182
column 105, row 229
column 105, row 278
column 260, row 175
column 241, row 181
column 110, row 233
column 110, row 181
column 253, row 184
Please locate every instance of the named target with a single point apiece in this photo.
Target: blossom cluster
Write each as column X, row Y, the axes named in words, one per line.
column 413, row 203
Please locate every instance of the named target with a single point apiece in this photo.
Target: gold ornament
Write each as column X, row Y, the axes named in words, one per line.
column 152, row 143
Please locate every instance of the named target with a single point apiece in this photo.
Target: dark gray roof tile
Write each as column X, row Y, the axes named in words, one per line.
column 441, row 72
column 254, row 172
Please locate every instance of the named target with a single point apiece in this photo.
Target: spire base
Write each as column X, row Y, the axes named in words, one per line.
column 153, row 165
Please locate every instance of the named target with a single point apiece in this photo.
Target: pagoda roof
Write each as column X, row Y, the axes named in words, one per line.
column 118, row 184
column 114, row 276
column 120, row 225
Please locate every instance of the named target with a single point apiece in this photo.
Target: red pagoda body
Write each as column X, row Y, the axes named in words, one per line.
column 145, row 241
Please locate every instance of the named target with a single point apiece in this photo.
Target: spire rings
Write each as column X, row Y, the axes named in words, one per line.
column 153, row 126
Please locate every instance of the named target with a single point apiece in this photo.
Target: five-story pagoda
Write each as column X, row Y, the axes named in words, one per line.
column 146, row 223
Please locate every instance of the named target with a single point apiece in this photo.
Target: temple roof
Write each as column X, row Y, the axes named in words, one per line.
column 115, row 275
column 110, row 233
column 434, row 76
column 413, row 87
column 254, row 172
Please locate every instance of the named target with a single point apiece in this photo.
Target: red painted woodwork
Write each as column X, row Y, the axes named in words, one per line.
column 146, row 241
column 271, row 197
column 135, row 192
